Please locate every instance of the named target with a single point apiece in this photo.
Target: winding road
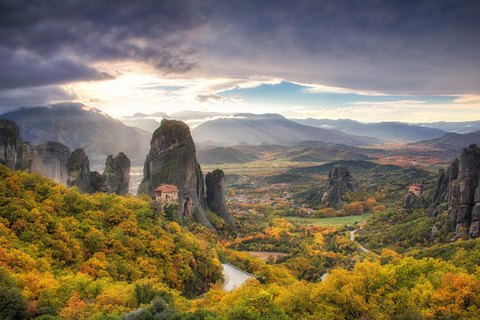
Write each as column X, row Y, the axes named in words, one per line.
column 352, row 238
column 234, row 278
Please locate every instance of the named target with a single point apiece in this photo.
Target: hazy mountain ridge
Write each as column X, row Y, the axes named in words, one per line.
column 76, row 126
column 457, row 127
column 271, row 128
column 451, row 141
column 396, row 131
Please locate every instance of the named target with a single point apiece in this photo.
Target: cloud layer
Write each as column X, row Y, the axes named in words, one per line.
column 380, row 47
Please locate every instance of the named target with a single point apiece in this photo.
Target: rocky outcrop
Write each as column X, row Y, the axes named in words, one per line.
column 116, row 177
column 456, row 203
column 409, row 199
column 172, row 160
column 339, row 182
column 9, row 143
column 53, row 160
column 79, row 171
column 50, row 160
column 215, row 183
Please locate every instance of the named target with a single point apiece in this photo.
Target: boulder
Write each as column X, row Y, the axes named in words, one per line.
column 215, row 183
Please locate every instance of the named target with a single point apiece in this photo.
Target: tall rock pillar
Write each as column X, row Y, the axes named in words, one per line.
column 172, row 160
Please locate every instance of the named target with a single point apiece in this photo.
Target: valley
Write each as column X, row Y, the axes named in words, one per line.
column 310, row 220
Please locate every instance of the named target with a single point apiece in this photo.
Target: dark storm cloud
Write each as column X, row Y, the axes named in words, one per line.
column 407, row 47
column 60, row 39
column 389, row 46
column 21, row 69
column 33, row 97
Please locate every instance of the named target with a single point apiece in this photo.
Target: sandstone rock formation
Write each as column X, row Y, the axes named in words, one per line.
column 458, row 195
column 79, row 171
column 53, row 160
column 49, row 159
column 172, row 160
column 215, row 183
column 339, row 182
column 9, row 143
column 409, row 199
column 116, row 177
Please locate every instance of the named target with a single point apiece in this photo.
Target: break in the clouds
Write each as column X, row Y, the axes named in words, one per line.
column 396, row 48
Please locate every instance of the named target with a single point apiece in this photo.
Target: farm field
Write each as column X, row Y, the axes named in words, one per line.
column 327, row 222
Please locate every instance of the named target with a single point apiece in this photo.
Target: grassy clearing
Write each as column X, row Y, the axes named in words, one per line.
column 262, row 255
column 327, row 222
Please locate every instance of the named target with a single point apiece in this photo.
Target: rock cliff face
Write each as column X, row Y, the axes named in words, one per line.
column 409, row 199
column 116, row 177
column 9, row 143
column 53, row 160
column 79, row 171
column 215, row 183
column 172, row 160
column 339, row 182
column 50, row 159
column 456, row 203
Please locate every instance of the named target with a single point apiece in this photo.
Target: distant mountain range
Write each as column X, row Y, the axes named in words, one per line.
column 271, row 128
column 394, row 131
column 457, row 127
column 150, row 122
column 77, row 126
column 451, row 141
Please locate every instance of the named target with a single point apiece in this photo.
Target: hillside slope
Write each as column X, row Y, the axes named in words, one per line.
column 394, row 131
column 271, row 128
column 76, row 126
column 451, row 141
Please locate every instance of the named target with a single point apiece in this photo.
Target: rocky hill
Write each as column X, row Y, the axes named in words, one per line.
column 78, row 126
column 172, row 160
column 271, row 128
column 451, row 141
column 456, row 203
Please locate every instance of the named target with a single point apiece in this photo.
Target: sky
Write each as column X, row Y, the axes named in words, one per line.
column 369, row 60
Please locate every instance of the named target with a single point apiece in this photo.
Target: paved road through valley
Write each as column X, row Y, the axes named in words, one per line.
column 234, row 278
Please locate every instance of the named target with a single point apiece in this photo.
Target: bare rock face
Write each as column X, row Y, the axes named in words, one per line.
column 458, row 195
column 172, row 160
column 49, row 159
column 215, row 183
column 409, row 199
column 9, row 143
column 78, row 167
column 116, row 177
column 339, row 182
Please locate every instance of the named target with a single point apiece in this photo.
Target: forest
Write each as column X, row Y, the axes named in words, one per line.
column 69, row 255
